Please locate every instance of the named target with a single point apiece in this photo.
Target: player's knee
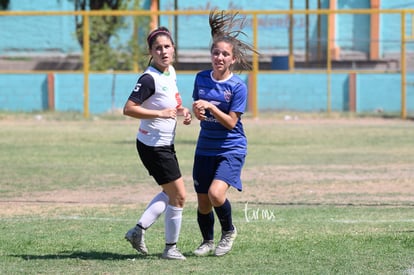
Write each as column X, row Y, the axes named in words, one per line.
column 180, row 199
column 177, row 198
column 204, row 208
column 216, row 198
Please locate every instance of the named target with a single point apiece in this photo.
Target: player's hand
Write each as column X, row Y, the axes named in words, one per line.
column 199, row 109
column 187, row 118
column 169, row 113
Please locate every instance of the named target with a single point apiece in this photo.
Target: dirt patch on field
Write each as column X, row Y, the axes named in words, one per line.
column 336, row 185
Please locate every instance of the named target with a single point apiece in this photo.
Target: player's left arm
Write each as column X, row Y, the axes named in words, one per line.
column 227, row 120
column 237, row 106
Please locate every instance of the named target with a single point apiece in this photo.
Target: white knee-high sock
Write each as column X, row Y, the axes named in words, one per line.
column 154, row 209
column 173, row 218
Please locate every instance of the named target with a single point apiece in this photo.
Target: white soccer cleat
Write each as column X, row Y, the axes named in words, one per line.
column 136, row 237
column 226, row 242
column 171, row 252
column 205, row 248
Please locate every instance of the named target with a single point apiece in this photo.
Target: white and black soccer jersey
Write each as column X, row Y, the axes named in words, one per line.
column 228, row 95
column 157, row 91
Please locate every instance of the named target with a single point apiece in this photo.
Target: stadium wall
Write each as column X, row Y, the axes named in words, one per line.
column 277, row 91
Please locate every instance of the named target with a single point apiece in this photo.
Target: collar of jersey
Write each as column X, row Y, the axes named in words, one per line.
column 167, row 73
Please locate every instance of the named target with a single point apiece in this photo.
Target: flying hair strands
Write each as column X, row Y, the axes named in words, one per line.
column 224, row 24
column 227, row 27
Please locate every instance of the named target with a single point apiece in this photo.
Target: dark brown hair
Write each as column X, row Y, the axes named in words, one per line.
column 157, row 32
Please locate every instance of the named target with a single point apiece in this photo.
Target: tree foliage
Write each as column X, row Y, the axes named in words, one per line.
column 108, row 49
column 4, row 4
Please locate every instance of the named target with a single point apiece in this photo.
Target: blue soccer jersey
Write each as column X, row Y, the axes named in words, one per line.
column 228, row 95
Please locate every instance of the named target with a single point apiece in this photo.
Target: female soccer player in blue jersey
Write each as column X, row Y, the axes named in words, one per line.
column 156, row 102
column 220, row 99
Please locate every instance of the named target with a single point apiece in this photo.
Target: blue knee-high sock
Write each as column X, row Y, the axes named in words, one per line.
column 224, row 214
column 206, row 224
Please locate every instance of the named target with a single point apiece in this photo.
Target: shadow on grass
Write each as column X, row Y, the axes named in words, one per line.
column 90, row 255
column 405, row 231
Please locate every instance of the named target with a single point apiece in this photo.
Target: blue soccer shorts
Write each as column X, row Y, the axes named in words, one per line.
column 224, row 167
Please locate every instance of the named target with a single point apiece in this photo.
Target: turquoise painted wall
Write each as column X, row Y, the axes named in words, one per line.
column 31, row 35
column 385, row 95
column 102, row 96
column 23, row 92
column 302, row 92
column 278, row 92
column 34, row 34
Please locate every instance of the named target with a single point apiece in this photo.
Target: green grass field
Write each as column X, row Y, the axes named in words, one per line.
column 322, row 195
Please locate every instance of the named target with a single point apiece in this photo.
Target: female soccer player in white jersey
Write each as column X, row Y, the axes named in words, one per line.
column 220, row 99
column 156, row 102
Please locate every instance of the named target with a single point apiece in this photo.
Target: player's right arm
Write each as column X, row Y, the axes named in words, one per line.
column 135, row 110
column 145, row 88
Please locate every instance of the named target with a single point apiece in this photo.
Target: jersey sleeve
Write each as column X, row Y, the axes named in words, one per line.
column 144, row 88
column 195, row 89
column 239, row 101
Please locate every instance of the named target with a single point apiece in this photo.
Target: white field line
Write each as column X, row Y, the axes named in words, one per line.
column 186, row 220
column 409, row 271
